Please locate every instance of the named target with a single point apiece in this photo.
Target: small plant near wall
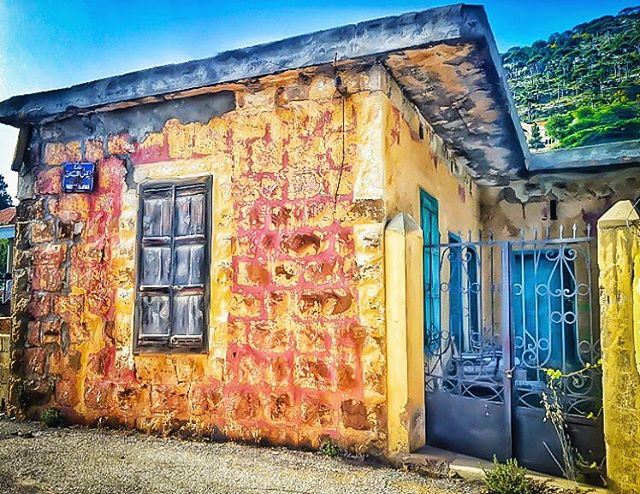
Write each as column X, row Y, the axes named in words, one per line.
column 52, row 417
column 330, row 448
column 511, row 478
column 573, row 465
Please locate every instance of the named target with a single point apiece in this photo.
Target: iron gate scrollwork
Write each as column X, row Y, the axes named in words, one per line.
column 510, row 310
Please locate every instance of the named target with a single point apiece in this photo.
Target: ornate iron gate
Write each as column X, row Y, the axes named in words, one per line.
column 510, row 312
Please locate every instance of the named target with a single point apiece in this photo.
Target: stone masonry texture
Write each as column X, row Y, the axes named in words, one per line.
column 296, row 323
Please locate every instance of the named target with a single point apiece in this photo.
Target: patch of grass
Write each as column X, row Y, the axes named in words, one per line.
column 52, row 417
column 330, row 449
column 511, row 478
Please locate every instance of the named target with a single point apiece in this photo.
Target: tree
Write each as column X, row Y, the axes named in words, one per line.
column 535, row 141
column 573, row 79
column 6, row 201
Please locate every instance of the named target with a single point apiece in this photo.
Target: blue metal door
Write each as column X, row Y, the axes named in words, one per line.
column 554, row 327
column 467, row 393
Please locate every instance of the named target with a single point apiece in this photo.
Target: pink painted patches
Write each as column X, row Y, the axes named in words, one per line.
column 462, row 193
column 49, row 181
column 151, row 150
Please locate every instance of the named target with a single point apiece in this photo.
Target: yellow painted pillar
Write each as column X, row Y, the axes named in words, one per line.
column 619, row 263
column 405, row 346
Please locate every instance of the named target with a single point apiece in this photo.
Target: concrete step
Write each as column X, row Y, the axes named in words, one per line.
column 434, row 462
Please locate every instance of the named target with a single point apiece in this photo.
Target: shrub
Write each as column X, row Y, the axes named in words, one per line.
column 330, row 449
column 52, row 417
column 511, row 478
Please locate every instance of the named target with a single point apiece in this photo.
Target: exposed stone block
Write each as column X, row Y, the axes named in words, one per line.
column 40, row 305
column 72, row 208
column 354, row 415
column 322, row 272
column 251, row 215
column 268, row 336
column 49, row 181
column 120, row 144
column 252, row 273
column 49, row 254
column 346, row 372
column 169, row 399
column 34, row 336
column 315, row 373
column 315, row 412
column 205, row 400
column 22, row 259
column 285, row 273
column 245, row 305
column 313, row 337
column 325, row 303
column 279, row 305
column 22, row 240
column 303, row 244
column 56, row 153
column 66, row 391
column 24, row 211
column 35, row 392
column 280, row 406
column 246, row 243
column 34, row 362
column 247, row 406
column 99, row 396
column 280, row 371
column 286, row 216
column 43, row 231
column 47, row 278
column 93, row 150
column 320, row 214
column 303, row 184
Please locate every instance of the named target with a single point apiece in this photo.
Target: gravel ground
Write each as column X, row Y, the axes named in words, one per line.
column 35, row 460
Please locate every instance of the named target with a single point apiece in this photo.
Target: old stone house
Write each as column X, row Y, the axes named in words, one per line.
column 270, row 244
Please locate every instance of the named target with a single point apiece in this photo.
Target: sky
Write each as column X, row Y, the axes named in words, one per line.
column 47, row 44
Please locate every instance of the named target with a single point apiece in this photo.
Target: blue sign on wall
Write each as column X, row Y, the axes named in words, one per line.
column 78, row 177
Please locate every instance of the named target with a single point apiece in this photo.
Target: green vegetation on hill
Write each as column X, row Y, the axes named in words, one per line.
column 585, row 82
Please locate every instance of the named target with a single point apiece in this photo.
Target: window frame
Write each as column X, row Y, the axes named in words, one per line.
column 166, row 347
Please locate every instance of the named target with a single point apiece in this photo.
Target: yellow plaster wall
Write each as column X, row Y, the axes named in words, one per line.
column 619, row 262
column 414, row 159
column 414, row 163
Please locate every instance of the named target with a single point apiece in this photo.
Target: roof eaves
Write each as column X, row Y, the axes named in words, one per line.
column 587, row 158
column 365, row 39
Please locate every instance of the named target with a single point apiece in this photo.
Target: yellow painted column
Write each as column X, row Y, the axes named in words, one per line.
column 619, row 263
column 405, row 346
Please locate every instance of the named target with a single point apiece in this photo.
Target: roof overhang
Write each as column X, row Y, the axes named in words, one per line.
column 445, row 60
column 587, row 158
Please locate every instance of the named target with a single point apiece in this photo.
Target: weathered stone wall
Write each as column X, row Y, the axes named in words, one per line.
column 4, row 363
column 619, row 262
column 581, row 197
column 296, row 339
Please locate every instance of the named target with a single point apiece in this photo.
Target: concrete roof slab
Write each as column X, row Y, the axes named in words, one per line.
column 445, row 59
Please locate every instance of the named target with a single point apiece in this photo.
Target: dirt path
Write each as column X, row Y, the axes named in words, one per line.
column 35, row 460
